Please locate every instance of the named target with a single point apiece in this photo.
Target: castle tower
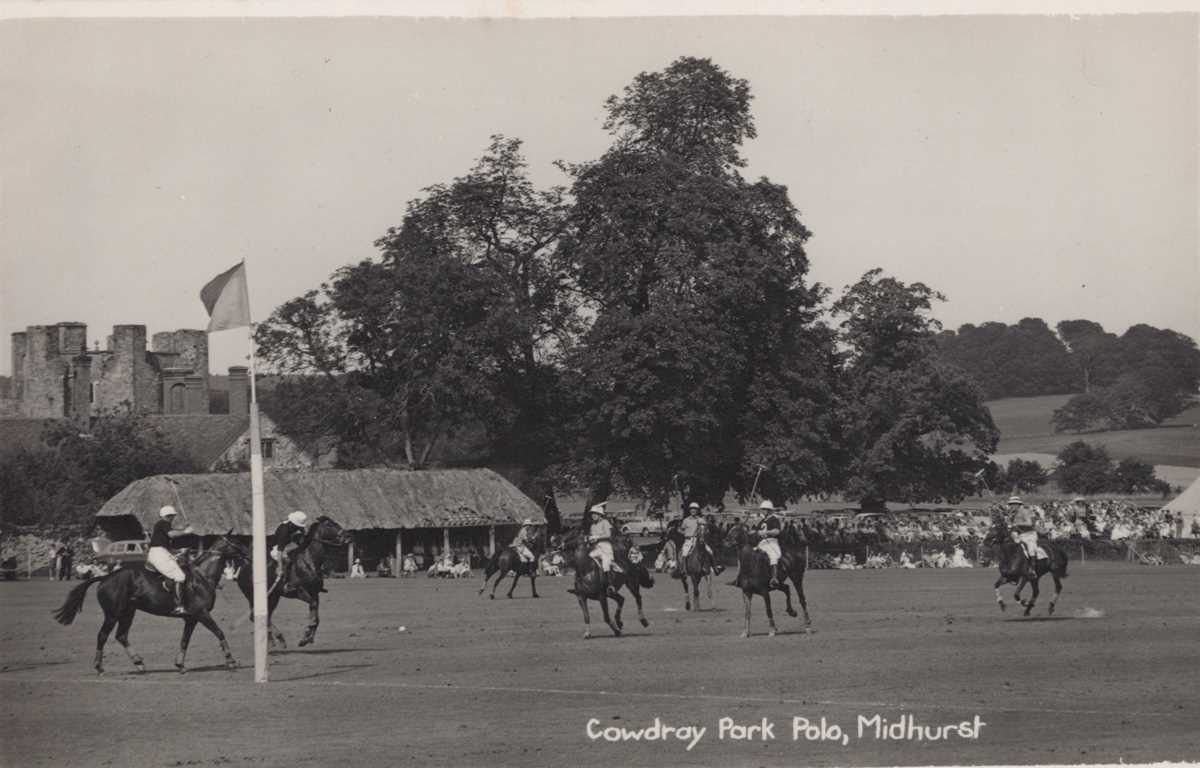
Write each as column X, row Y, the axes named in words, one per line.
column 239, row 390
column 81, row 386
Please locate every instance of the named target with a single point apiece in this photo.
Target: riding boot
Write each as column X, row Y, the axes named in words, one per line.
column 776, row 576
column 178, row 610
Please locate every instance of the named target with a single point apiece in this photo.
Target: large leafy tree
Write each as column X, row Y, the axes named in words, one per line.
column 915, row 427
column 704, row 358
column 393, row 358
column 452, row 328
column 495, row 222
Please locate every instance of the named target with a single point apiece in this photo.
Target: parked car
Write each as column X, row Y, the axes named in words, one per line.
column 642, row 527
column 117, row 553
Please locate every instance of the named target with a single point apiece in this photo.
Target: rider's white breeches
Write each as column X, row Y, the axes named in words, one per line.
column 771, row 548
column 603, row 552
column 162, row 561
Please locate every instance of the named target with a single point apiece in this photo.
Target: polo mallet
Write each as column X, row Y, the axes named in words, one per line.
column 178, row 501
column 757, row 475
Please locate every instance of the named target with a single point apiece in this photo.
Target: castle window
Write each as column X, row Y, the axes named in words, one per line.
column 92, row 393
column 268, row 447
column 178, row 392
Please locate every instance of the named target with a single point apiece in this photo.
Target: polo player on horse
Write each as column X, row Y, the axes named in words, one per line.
column 693, row 530
column 769, row 529
column 160, row 558
column 1025, row 532
column 600, row 534
column 522, row 540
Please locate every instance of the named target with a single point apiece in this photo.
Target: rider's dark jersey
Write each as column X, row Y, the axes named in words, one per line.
column 771, row 523
column 287, row 533
column 160, row 536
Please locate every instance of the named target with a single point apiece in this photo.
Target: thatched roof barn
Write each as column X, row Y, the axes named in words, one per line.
column 358, row 499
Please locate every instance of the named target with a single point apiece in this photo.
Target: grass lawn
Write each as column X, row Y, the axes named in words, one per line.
column 1024, row 424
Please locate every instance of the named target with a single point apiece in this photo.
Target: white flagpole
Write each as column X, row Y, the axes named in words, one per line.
column 258, row 525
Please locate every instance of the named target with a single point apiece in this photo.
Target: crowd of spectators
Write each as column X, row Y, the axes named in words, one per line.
column 1106, row 519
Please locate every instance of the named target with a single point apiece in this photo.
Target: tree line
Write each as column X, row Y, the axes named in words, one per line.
column 1138, row 379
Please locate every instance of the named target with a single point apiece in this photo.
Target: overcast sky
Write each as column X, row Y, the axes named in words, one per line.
column 1024, row 166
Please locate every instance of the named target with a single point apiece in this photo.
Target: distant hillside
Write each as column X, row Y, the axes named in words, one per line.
column 1025, row 427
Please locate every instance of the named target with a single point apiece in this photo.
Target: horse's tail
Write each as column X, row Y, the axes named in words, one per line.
column 72, row 606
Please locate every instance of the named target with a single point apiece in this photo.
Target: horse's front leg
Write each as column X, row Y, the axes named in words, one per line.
column 1000, row 598
column 273, row 633
column 708, row 579
column 211, row 625
column 533, row 579
column 787, row 595
column 798, row 581
column 746, row 601
column 770, row 614
column 696, row 579
column 604, row 612
column 687, row 596
column 620, row 601
column 637, row 598
column 314, row 620
column 1057, row 591
column 123, row 638
column 587, row 619
column 1033, row 584
column 189, row 626
column 516, row 577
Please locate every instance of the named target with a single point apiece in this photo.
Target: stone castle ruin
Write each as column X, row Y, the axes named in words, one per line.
column 55, row 375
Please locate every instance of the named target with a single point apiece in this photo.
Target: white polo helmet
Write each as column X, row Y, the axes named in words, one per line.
column 1015, row 500
column 297, row 518
column 767, row 506
column 527, row 521
column 693, row 505
column 598, row 509
column 167, row 511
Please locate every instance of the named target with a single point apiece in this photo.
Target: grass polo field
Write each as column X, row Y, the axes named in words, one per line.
column 1112, row 676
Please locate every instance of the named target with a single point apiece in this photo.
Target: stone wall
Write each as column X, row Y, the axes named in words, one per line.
column 53, row 371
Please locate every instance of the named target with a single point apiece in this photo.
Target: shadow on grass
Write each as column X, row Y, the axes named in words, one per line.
column 177, row 673
column 320, row 651
column 337, row 670
column 23, row 666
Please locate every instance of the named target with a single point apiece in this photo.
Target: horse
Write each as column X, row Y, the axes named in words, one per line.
column 592, row 584
column 696, row 567
column 754, row 572
column 127, row 590
column 507, row 560
column 304, row 581
column 1014, row 568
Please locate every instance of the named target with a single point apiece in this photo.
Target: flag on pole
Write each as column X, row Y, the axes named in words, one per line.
column 227, row 300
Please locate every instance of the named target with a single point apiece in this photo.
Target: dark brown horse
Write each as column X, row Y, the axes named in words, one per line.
column 1014, row 568
column 304, row 580
column 698, row 566
column 128, row 590
column 754, row 572
column 593, row 584
column 507, row 560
